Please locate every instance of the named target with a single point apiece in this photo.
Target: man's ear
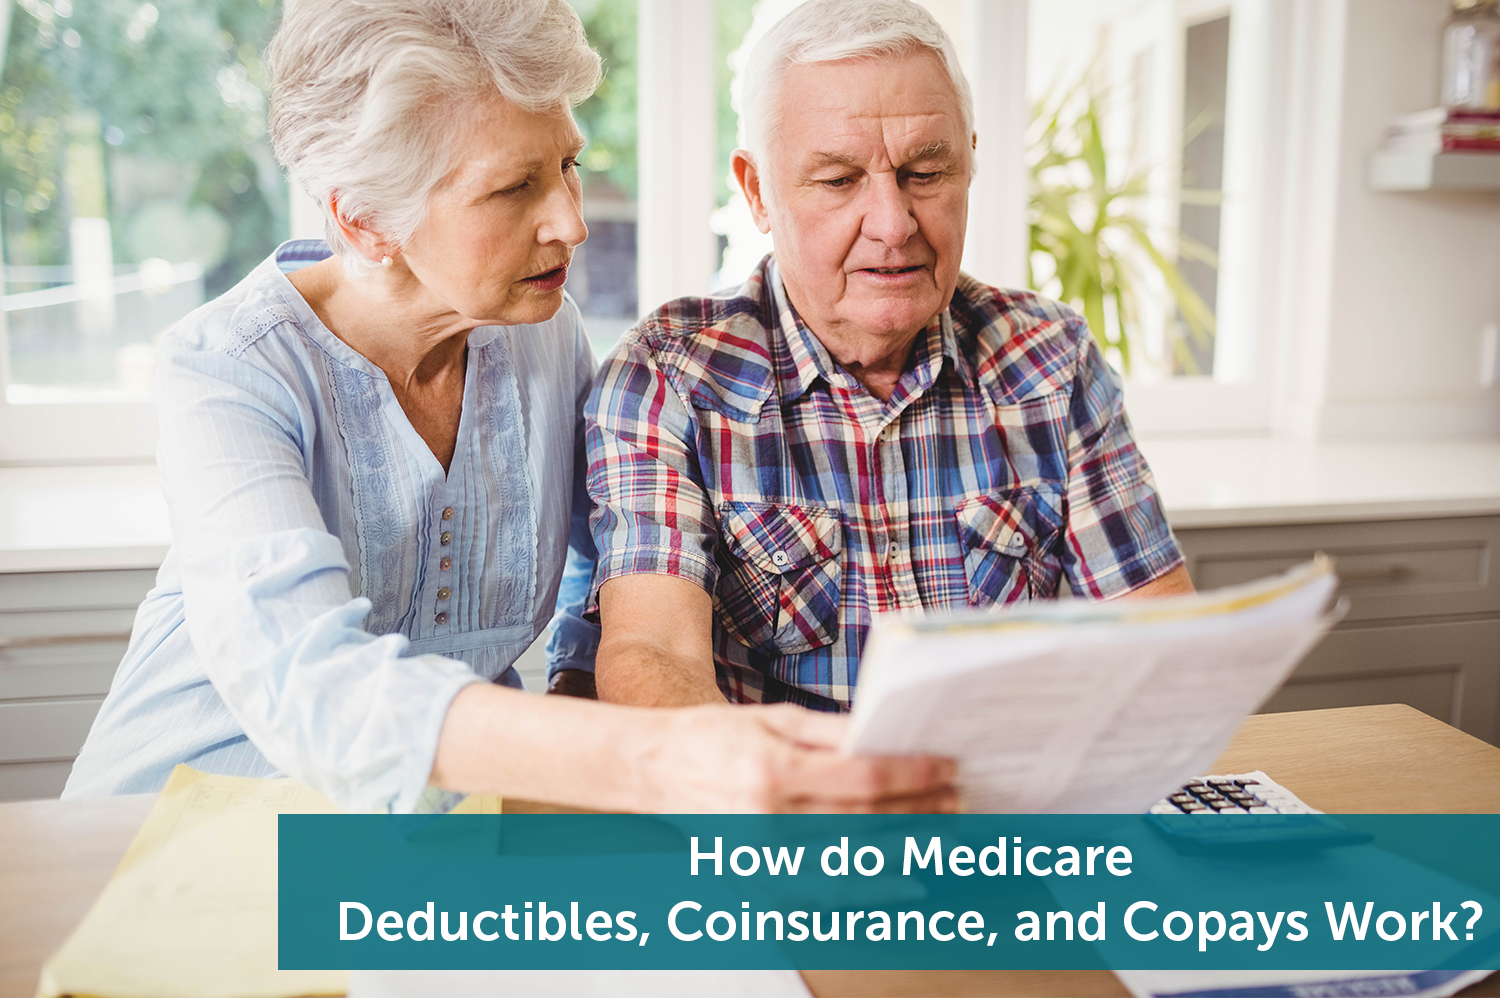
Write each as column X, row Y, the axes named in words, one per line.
column 749, row 177
column 366, row 241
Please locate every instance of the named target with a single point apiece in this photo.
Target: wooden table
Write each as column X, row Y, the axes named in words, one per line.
column 55, row 856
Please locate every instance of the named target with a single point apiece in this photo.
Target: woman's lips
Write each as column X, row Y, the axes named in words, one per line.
column 549, row 280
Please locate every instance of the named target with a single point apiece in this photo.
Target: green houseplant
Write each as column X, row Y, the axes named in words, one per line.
column 1084, row 217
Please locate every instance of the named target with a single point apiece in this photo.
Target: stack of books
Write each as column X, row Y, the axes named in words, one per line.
column 1441, row 129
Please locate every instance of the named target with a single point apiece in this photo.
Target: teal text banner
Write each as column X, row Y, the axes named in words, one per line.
column 1372, row 892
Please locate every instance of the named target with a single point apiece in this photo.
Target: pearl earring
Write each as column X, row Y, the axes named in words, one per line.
column 385, row 261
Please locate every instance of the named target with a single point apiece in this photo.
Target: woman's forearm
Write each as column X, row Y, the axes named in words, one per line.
column 567, row 751
column 696, row 759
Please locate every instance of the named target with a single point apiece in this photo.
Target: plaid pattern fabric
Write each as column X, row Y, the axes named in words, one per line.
column 728, row 448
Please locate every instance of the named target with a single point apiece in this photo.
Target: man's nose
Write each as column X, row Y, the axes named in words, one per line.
column 888, row 215
column 562, row 218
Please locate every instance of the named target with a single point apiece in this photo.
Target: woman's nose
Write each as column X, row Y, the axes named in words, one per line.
column 562, row 218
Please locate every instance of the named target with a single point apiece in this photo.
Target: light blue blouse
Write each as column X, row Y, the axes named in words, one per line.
column 329, row 589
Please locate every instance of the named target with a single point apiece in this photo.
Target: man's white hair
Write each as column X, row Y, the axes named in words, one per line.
column 369, row 97
column 830, row 30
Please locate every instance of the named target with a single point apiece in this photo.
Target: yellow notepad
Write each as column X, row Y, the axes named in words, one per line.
column 191, row 909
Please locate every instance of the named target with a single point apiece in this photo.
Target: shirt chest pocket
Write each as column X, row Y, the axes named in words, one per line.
column 1007, row 538
column 780, row 572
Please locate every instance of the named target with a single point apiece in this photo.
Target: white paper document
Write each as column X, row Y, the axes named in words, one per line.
column 1084, row 707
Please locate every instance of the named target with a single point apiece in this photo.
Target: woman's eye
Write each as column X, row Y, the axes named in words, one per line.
column 512, row 190
column 569, row 164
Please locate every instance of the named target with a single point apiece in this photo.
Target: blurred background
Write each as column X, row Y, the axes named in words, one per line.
column 1285, row 246
column 1187, row 173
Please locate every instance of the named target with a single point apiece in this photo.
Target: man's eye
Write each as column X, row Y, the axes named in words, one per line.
column 838, row 182
column 923, row 178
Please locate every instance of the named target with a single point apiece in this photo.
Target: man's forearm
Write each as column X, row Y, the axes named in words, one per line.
column 635, row 672
column 656, row 648
column 1174, row 583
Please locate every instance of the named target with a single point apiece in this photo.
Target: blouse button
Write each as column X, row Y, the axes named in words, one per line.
column 444, row 593
column 441, row 618
column 446, row 538
column 448, row 513
column 446, row 564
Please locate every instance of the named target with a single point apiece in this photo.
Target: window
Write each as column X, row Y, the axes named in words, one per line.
column 1184, row 90
column 603, row 278
column 607, row 277
column 1205, row 78
column 136, row 182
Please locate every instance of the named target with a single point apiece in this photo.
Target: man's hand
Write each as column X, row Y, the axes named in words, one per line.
column 782, row 758
column 573, row 683
column 656, row 645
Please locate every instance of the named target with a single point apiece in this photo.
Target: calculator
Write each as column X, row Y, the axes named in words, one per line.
column 1203, row 816
column 1247, row 793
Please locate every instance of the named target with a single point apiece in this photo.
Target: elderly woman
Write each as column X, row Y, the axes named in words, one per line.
column 370, row 449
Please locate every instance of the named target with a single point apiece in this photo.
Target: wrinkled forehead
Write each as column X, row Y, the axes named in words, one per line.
column 904, row 103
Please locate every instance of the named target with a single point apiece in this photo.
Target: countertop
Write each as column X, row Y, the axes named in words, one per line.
column 113, row 516
column 90, row 517
column 1248, row 481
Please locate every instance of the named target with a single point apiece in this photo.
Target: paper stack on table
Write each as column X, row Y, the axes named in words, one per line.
column 191, row 909
column 1079, row 706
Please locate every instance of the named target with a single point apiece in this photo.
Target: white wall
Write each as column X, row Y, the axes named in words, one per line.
column 1411, row 279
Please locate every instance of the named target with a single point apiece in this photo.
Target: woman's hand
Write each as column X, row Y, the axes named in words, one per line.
column 778, row 759
column 679, row 760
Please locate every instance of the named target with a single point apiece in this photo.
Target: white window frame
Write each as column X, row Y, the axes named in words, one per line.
column 112, row 431
column 1275, row 152
column 1277, row 54
column 72, row 432
column 1260, row 234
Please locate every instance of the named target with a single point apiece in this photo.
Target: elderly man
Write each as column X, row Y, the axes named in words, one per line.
column 860, row 427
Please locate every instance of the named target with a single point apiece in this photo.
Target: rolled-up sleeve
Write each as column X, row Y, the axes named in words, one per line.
column 1117, row 537
column 652, row 514
column 266, row 592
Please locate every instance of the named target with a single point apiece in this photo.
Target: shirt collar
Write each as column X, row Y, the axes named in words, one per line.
column 806, row 359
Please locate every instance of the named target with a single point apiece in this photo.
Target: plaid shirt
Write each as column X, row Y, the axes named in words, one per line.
column 727, row 447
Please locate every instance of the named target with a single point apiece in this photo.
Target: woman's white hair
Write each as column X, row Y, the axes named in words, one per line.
column 368, row 97
column 828, row 31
